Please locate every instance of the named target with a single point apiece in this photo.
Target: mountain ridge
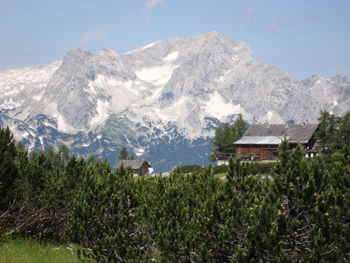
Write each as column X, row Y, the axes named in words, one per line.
column 174, row 91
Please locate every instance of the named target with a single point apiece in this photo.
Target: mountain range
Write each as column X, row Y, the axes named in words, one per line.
column 162, row 101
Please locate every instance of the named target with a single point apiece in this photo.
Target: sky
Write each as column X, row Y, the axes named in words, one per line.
column 301, row 37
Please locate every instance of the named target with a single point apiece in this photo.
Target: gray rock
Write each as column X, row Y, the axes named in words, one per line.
column 174, row 91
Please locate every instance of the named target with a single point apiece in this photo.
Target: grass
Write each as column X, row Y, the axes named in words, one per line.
column 221, row 175
column 24, row 250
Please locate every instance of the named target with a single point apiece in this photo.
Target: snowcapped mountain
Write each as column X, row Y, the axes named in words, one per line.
column 163, row 101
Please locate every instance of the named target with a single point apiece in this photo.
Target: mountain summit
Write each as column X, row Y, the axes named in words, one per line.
column 163, row 100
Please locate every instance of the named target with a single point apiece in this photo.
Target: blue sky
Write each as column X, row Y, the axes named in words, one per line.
column 302, row 37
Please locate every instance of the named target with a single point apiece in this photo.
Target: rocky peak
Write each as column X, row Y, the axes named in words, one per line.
column 75, row 57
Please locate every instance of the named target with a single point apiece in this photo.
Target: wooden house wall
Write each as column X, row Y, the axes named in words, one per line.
column 143, row 170
column 257, row 152
column 262, row 152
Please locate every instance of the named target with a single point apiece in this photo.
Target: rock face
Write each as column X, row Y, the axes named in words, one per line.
column 163, row 101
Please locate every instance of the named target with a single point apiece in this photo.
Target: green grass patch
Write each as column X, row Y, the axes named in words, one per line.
column 220, row 175
column 24, row 250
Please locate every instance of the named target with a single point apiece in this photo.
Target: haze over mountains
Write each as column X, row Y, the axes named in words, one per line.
column 163, row 101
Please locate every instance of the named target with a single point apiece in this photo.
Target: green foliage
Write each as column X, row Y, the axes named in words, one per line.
column 218, row 169
column 225, row 136
column 297, row 211
column 42, row 193
column 181, row 213
column 240, row 125
column 334, row 132
column 343, row 131
column 8, row 168
column 284, row 156
column 58, row 158
column 260, row 167
column 326, row 133
column 123, row 154
column 190, row 168
column 252, row 168
column 103, row 217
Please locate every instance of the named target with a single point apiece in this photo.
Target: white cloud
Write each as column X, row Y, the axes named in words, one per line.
column 151, row 3
column 93, row 35
column 249, row 14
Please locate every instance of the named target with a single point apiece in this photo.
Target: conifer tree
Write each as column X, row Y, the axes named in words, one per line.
column 8, row 169
column 240, row 125
column 327, row 131
column 123, row 154
column 343, row 131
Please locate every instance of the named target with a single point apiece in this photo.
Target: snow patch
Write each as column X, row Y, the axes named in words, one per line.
column 148, row 46
column 158, row 75
column 218, row 108
column 12, row 92
column 39, row 96
column 181, row 101
column 31, row 80
column 10, row 104
column 164, row 117
column 142, row 48
column 272, row 118
column 48, row 124
column 61, row 123
column 101, row 115
column 99, row 81
column 41, row 138
column 86, row 144
column 139, row 152
column 123, row 95
column 112, row 82
column 128, row 85
column 92, row 88
column 175, row 112
column 171, row 56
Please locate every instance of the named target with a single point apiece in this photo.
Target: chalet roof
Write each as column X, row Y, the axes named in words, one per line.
column 134, row 164
column 274, row 133
column 260, row 140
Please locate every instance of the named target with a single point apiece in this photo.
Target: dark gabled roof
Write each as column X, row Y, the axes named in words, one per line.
column 133, row 164
column 295, row 133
